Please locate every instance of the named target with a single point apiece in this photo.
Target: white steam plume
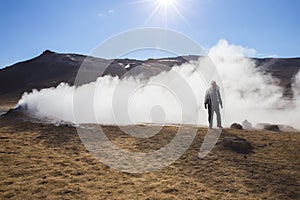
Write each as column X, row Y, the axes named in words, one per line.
column 248, row 94
column 296, row 91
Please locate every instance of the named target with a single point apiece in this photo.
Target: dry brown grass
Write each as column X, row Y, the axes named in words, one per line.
column 44, row 161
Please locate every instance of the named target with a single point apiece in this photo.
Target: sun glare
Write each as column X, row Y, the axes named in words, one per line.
column 166, row 3
column 165, row 10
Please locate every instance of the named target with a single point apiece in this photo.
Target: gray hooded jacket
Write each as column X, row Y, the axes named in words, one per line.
column 213, row 98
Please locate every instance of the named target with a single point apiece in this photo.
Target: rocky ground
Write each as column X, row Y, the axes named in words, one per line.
column 39, row 161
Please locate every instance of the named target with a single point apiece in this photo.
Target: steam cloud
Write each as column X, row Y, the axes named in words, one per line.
column 248, row 94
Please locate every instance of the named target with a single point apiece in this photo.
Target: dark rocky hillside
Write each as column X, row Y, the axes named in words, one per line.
column 50, row 68
column 283, row 69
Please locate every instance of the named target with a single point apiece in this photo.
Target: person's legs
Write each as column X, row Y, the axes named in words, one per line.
column 210, row 116
column 219, row 124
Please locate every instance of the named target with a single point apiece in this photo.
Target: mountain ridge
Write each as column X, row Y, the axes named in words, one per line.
column 51, row 68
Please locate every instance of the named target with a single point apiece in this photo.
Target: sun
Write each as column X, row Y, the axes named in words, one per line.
column 166, row 3
column 165, row 10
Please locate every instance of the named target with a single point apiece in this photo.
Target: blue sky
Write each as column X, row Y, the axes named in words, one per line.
column 28, row 27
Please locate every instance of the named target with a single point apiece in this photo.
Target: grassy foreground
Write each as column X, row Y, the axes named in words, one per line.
column 39, row 161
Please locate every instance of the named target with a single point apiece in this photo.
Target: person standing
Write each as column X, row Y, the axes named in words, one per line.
column 212, row 102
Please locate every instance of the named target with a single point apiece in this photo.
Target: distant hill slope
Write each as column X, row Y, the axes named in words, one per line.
column 284, row 69
column 50, row 68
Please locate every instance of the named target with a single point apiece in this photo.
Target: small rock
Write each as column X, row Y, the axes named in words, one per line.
column 170, row 190
column 226, row 190
column 236, row 126
column 262, row 145
column 79, row 173
column 67, row 191
column 237, row 144
column 270, row 127
column 247, row 125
